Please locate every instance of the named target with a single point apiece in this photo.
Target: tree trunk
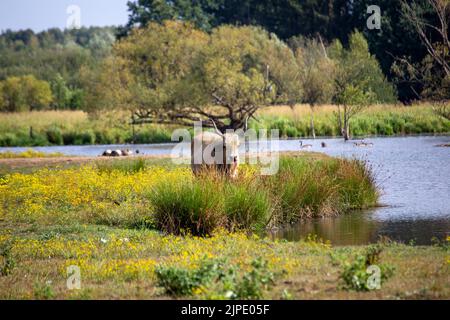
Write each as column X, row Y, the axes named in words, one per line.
column 346, row 129
column 340, row 120
column 313, row 130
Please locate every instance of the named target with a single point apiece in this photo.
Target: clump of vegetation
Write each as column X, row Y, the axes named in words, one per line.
column 217, row 278
column 365, row 272
column 195, row 206
column 7, row 261
column 310, row 188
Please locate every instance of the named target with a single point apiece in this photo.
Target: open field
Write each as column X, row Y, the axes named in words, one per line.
column 103, row 217
column 76, row 127
column 120, row 263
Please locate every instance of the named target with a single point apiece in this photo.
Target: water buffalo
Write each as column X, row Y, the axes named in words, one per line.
column 215, row 150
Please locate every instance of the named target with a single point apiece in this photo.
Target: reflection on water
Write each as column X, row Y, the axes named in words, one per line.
column 359, row 228
column 412, row 173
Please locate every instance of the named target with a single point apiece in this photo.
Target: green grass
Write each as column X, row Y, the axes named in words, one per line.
column 75, row 128
column 149, row 265
column 304, row 187
column 376, row 120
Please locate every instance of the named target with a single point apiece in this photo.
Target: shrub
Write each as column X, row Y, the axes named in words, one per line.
column 357, row 274
column 254, row 283
column 217, row 279
column 79, row 138
column 182, row 282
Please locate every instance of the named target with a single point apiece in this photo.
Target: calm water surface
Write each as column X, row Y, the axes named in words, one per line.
column 413, row 175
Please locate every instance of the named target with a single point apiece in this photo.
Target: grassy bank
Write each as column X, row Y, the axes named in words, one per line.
column 134, row 193
column 75, row 127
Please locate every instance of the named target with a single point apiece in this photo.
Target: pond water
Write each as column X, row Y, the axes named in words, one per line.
column 412, row 172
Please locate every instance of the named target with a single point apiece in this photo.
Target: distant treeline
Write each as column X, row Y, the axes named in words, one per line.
column 48, row 70
column 397, row 39
column 57, row 69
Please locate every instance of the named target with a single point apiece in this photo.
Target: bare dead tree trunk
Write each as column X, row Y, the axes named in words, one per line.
column 346, row 129
column 313, row 130
column 340, row 120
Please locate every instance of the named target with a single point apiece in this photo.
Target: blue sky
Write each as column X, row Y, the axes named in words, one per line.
column 43, row 14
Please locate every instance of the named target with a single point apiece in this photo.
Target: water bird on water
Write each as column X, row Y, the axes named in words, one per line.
column 363, row 143
column 305, row 146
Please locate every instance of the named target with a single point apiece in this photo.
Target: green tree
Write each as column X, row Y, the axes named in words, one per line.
column 359, row 80
column 142, row 12
column 25, row 93
column 37, row 93
column 11, row 94
column 173, row 73
column 61, row 93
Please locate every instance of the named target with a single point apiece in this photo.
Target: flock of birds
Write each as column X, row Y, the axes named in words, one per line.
column 361, row 143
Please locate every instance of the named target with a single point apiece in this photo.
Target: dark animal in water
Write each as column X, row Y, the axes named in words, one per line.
column 323, row 144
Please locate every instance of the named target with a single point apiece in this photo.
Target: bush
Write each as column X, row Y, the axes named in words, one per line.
column 216, row 278
column 8, row 140
column 181, row 282
column 254, row 283
column 358, row 276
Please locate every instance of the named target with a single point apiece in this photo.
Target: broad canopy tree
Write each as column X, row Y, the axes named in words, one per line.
column 173, row 73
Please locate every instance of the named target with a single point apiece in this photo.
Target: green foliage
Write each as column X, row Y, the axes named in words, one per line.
column 355, row 274
column 172, row 73
column 7, row 261
column 54, row 136
column 127, row 166
column 182, row 282
column 216, row 278
column 359, row 72
column 254, row 283
column 43, row 291
column 24, row 93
